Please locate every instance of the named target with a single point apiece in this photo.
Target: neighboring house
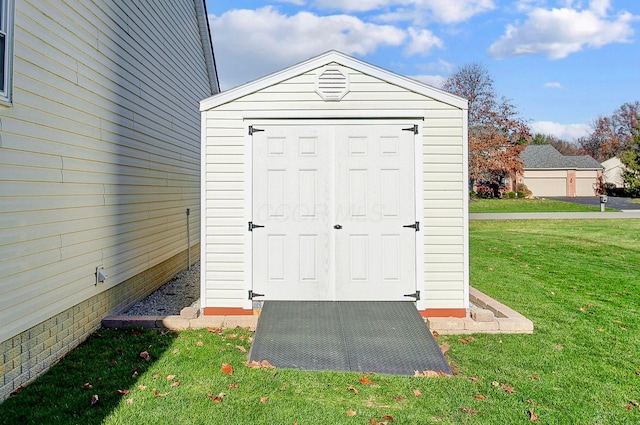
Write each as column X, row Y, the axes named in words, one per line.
column 357, row 178
column 99, row 162
column 614, row 172
column 549, row 173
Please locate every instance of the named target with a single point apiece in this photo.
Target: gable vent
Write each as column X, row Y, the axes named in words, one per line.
column 332, row 83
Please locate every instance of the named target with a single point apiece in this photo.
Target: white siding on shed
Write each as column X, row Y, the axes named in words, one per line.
column 100, row 151
column 444, row 175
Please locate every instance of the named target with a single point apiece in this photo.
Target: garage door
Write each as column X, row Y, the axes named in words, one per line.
column 547, row 186
column 585, row 186
column 335, row 202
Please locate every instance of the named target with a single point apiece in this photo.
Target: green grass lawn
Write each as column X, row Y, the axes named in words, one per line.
column 576, row 279
column 478, row 205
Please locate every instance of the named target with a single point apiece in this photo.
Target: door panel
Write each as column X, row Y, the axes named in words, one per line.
column 308, row 179
column 375, row 254
column 290, row 198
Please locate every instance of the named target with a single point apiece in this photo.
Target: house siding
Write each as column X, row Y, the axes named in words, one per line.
column 444, row 180
column 99, row 157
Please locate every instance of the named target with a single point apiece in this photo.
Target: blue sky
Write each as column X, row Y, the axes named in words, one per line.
column 563, row 63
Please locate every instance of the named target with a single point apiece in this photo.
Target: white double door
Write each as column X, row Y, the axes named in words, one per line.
column 335, row 202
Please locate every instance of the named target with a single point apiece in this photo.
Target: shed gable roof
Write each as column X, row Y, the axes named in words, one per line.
column 548, row 157
column 333, row 57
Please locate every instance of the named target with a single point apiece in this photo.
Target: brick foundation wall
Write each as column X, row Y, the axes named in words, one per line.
column 28, row 355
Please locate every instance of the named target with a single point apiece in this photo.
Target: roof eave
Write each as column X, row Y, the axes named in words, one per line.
column 321, row 60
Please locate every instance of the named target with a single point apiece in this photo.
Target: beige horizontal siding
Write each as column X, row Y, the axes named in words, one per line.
column 100, row 152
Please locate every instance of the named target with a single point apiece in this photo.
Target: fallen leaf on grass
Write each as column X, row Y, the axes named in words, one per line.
column 171, row 377
column 241, row 348
column 481, row 397
column 216, row 398
column 634, row 403
column 264, row 400
column 227, row 369
column 351, row 413
column 176, row 351
column 159, row 394
column 122, row 392
column 628, row 407
column 365, row 381
column 94, row 399
column 135, row 333
column 444, row 348
column 388, row 417
column 176, row 384
column 145, row 356
column 473, row 378
column 142, row 387
column 232, row 336
column 354, row 390
column 233, row 386
column 135, row 373
column 156, row 376
column 199, row 343
column 465, row 340
column 129, row 401
column 495, row 383
column 417, row 393
column 428, row 374
column 468, row 411
column 435, row 334
column 532, row 416
column 534, row 377
column 215, row 330
column 507, row 388
column 398, row 397
column 87, row 386
column 260, row 365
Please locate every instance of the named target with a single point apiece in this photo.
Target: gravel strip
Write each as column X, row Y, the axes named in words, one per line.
column 182, row 291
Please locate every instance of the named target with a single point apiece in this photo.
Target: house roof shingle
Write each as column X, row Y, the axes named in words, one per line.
column 546, row 156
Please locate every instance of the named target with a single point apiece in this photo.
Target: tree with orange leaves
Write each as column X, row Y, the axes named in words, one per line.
column 496, row 130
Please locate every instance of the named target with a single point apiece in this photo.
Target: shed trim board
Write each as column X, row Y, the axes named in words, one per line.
column 366, row 95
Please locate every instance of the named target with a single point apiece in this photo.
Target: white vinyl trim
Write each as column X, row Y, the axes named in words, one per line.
column 6, row 35
column 465, row 205
column 203, row 208
column 419, row 205
column 248, row 216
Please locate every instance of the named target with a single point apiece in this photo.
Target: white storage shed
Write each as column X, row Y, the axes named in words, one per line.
column 334, row 180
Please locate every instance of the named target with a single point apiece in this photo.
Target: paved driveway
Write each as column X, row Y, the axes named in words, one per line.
column 613, row 202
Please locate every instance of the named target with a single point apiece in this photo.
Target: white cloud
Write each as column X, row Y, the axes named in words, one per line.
column 562, row 131
column 422, row 41
column 553, row 85
column 252, row 43
column 558, row 32
column 444, row 11
column 432, row 80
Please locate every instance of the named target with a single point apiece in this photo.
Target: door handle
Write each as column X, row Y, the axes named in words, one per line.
column 337, row 227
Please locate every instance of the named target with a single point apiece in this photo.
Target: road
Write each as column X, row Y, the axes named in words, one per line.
column 555, row 215
column 612, row 202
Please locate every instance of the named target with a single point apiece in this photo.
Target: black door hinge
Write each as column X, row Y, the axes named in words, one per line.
column 253, row 226
column 416, row 226
column 252, row 130
column 252, row 294
column 414, row 129
column 415, row 295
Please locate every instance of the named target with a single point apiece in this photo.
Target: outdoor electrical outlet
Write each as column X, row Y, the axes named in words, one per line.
column 101, row 275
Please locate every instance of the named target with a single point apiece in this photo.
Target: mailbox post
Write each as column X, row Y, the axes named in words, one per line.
column 603, row 200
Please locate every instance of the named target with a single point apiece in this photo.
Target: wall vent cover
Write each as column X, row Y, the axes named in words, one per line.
column 332, row 83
